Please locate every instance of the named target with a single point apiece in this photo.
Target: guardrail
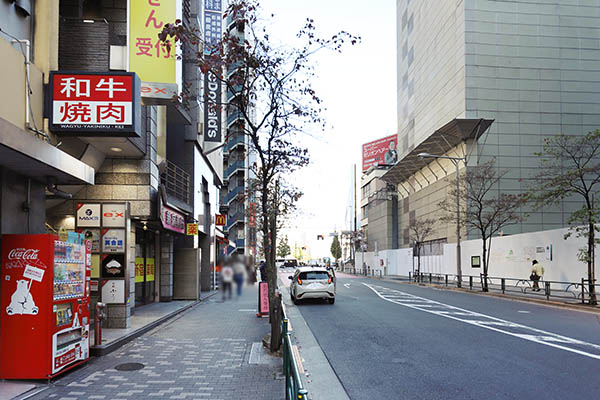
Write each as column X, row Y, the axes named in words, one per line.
column 522, row 287
column 293, row 384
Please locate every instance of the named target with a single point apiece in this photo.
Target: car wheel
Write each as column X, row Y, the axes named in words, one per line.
column 331, row 301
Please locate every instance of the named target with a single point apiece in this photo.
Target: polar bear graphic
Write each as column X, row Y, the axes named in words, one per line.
column 21, row 301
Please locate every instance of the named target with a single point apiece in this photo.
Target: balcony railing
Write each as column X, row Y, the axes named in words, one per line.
column 233, row 194
column 239, row 242
column 233, row 117
column 233, row 168
column 176, row 182
column 234, row 141
column 234, row 219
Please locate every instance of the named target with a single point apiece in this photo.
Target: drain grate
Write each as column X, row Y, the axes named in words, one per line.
column 129, row 367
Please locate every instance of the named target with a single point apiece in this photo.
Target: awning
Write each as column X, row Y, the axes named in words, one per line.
column 22, row 152
column 440, row 142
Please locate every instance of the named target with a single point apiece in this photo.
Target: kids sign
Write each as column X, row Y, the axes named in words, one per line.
column 95, row 104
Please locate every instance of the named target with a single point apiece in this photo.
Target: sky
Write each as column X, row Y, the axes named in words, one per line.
column 359, row 91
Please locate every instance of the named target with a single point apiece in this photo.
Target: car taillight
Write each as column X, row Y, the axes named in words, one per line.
column 329, row 280
column 299, row 281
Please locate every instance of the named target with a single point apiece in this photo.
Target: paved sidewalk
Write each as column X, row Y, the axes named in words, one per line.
column 212, row 351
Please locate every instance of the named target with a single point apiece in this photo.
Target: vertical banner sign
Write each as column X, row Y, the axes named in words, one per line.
column 263, row 299
column 213, row 26
column 148, row 57
column 139, row 269
column 150, row 269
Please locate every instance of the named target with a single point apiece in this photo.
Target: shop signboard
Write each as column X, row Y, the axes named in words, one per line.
column 139, row 269
column 220, row 220
column 93, row 235
column 113, row 291
column 191, row 229
column 148, row 56
column 380, row 152
column 213, row 28
column 150, row 269
column 113, row 266
column 114, row 215
column 95, row 104
column 113, row 240
column 88, row 215
column 171, row 219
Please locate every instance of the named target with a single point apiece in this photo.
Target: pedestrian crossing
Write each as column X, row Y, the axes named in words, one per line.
column 487, row 322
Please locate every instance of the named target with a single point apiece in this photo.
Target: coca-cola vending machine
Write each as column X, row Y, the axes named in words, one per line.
column 44, row 305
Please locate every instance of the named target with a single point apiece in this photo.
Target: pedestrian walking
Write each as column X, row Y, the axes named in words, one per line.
column 239, row 270
column 263, row 271
column 226, row 279
column 537, row 271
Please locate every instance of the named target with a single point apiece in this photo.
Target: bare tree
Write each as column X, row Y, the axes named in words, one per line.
column 487, row 210
column 570, row 168
column 420, row 230
column 270, row 90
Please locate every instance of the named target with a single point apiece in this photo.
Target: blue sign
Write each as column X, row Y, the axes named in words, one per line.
column 213, row 25
column 212, row 5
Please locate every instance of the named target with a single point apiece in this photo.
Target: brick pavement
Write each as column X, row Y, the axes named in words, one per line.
column 203, row 354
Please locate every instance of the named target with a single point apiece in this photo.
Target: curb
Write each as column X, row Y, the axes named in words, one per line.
column 550, row 303
column 102, row 350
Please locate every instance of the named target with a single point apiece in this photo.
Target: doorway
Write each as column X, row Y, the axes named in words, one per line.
column 145, row 266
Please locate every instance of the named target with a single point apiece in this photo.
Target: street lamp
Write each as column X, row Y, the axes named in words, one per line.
column 455, row 161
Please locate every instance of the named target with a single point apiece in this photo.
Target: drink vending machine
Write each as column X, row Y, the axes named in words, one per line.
column 44, row 305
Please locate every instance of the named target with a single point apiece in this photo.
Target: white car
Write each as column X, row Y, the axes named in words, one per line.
column 312, row 283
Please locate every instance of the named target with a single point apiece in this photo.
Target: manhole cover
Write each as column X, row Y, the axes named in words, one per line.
column 129, row 367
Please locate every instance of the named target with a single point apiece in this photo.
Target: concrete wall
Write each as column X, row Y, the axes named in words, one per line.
column 510, row 257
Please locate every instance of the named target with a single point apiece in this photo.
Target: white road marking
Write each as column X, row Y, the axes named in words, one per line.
column 347, row 285
column 247, row 309
column 524, row 312
column 488, row 322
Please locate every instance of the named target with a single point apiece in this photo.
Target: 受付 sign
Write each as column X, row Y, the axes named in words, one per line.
column 95, row 103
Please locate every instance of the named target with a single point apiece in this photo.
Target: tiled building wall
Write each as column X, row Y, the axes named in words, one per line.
column 533, row 66
column 430, row 62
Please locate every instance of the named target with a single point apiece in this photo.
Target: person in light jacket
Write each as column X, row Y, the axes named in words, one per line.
column 537, row 271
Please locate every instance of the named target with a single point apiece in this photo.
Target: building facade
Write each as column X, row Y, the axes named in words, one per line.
column 154, row 181
column 490, row 80
column 238, row 165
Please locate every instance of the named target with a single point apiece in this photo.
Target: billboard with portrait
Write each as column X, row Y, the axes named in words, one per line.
column 380, row 152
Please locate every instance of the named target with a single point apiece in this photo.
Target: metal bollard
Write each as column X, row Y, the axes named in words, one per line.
column 547, row 287
column 582, row 292
column 470, row 283
column 446, row 279
column 430, row 278
column 503, row 283
column 100, row 316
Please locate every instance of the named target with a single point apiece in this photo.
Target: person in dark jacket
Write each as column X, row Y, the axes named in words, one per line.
column 263, row 271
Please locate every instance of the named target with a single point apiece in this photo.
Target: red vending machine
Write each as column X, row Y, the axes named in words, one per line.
column 44, row 305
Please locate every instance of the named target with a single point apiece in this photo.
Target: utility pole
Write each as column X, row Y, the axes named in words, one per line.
column 355, row 235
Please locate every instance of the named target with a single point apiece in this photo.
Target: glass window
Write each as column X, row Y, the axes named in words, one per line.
column 313, row 275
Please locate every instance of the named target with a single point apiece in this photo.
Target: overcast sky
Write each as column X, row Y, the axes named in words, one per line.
column 359, row 91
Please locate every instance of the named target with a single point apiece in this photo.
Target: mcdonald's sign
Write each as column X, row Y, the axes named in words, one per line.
column 220, row 220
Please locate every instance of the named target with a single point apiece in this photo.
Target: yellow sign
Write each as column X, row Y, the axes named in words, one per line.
column 139, row 269
column 191, row 229
column 63, row 235
column 220, row 220
column 148, row 57
column 95, row 272
column 149, row 269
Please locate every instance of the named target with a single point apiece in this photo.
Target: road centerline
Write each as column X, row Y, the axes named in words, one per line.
column 487, row 322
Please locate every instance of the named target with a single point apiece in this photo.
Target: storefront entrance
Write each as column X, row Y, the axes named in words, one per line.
column 145, row 266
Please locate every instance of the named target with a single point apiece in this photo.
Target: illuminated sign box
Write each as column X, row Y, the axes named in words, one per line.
column 95, row 103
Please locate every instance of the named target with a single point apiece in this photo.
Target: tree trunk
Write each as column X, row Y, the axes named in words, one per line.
column 275, row 301
column 591, row 272
column 484, row 283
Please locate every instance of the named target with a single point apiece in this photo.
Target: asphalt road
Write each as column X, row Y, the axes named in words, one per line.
column 389, row 340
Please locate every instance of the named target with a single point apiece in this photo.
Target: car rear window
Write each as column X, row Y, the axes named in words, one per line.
column 307, row 276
